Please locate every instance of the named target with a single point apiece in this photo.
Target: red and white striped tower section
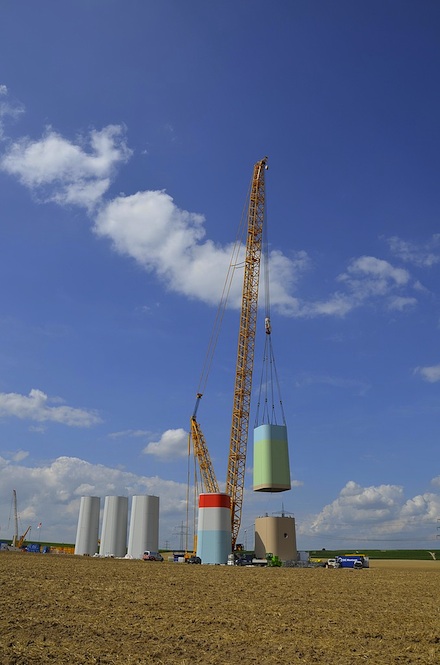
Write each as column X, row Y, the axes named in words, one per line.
column 214, row 536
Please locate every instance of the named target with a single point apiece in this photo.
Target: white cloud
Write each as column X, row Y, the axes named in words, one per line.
column 360, row 505
column 337, row 304
column 354, row 385
column 20, row 455
column 430, row 374
column 51, row 494
column 418, row 286
column 375, row 513
column 130, row 433
column 423, row 255
column 368, row 276
column 173, row 444
column 65, row 172
column 36, row 407
column 169, row 241
column 422, row 508
column 366, row 279
column 284, row 275
column 401, row 303
column 8, row 108
column 13, row 456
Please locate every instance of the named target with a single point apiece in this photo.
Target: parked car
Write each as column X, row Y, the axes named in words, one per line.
column 152, row 556
column 333, row 563
column 194, row 559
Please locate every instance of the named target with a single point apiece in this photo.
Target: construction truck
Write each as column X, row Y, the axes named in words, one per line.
column 249, row 559
column 356, row 561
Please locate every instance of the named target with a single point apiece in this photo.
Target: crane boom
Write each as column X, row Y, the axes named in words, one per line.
column 23, row 537
column 16, row 540
column 14, row 501
column 201, row 452
column 246, row 346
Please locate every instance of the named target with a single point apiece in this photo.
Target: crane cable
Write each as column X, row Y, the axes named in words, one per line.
column 236, row 262
column 269, row 375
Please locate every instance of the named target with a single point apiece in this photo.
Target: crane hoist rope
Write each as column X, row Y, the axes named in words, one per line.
column 196, row 441
column 235, row 263
column 266, row 412
column 203, row 473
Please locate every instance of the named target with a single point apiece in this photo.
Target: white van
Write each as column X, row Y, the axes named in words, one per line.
column 332, row 563
column 152, row 556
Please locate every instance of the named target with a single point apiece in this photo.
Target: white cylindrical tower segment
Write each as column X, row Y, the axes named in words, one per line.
column 86, row 541
column 144, row 526
column 114, row 526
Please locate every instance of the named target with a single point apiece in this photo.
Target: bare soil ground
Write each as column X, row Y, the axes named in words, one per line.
column 80, row 610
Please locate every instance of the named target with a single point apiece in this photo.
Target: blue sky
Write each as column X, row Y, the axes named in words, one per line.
column 128, row 134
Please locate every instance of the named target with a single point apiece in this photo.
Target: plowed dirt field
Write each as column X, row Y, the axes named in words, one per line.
column 71, row 610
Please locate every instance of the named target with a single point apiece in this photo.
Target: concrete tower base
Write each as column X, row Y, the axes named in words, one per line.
column 276, row 535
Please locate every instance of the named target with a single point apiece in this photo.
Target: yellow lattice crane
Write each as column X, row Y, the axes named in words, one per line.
column 201, row 453
column 246, row 346
column 244, row 364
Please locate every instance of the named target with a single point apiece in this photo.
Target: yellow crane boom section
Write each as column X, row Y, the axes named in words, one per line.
column 201, row 453
column 244, row 364
column 246, row 346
